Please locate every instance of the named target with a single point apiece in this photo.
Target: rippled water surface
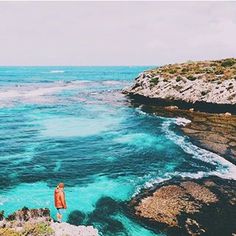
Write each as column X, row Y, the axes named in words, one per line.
column 73, row 125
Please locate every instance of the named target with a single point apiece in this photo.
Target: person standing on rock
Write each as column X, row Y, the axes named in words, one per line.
column 60, row 200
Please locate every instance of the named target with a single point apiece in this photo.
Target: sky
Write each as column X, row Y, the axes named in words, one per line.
column 115, row 33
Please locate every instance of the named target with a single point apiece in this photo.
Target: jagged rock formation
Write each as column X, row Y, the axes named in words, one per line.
column 37, row 222
column 212, row 82
column 189, row 207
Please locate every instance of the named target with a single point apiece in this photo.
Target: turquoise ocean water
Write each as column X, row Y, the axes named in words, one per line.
column 73, row 125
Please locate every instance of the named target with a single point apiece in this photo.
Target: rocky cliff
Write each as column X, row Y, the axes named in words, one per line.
column 37, row 222
column 212, row 82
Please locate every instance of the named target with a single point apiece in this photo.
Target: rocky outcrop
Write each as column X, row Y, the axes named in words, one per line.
column 207, row 82
column 189, row 207
column 216, row 133
column 37, row 222
column 26, row 214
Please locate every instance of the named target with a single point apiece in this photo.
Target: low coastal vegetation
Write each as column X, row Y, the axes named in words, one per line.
column 32, row 229
column 210, row 70
column 26, row 222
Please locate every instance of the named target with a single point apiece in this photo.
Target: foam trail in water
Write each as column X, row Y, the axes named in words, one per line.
column 141, row 140
column 56, row 71
column 139, row 110
column 225, row 169
column 200, row 174
column 36, row 93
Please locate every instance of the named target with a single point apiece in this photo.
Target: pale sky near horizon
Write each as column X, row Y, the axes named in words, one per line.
column 115, row 33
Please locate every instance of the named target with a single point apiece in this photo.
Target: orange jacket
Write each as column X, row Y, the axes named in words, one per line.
column 59, row 198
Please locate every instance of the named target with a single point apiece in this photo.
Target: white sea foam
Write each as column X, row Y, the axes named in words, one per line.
column 139, row 110
column 141, row 140
column 224, row 168
column 56, row 71
column 182, row 121
column 197, row 175
column 43, row 93
column 170, row 175
column 36, row 93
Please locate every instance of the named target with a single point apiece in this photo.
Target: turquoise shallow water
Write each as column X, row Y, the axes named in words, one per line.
column 73, row 125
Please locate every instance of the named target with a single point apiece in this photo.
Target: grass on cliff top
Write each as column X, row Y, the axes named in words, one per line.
column 211, row 70
column 29, row 229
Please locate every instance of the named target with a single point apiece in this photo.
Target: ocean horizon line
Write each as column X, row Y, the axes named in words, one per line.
column 3, row 66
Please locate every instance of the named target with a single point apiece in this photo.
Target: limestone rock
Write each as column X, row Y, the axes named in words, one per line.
column 31, row 221
column 204, row 206
column 62, row 229
column 189, row 82
column 227, row 114
column 171, row 107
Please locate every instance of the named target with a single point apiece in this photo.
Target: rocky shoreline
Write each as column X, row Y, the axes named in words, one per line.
column 38, row 222
column 206, row 85
column 214, row 132
column 204, row 93
column 204, row 206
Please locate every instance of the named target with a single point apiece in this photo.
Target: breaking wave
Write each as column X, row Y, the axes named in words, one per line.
column 225, row 169
column 56, row 71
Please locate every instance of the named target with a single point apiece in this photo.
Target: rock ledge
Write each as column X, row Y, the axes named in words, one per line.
column 205, row 206
column 37, row 222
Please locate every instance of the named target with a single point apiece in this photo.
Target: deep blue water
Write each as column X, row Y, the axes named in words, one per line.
column 73, row 125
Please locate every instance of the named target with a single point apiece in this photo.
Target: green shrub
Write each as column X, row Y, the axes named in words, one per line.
column 228, row 62
column 198, row 71
column 184, row 70
column 178, row 79
column 172, row 71
column 154, row 80
column 37, row 229
column 219, row 72
column 192, row 78
column 208, row 70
